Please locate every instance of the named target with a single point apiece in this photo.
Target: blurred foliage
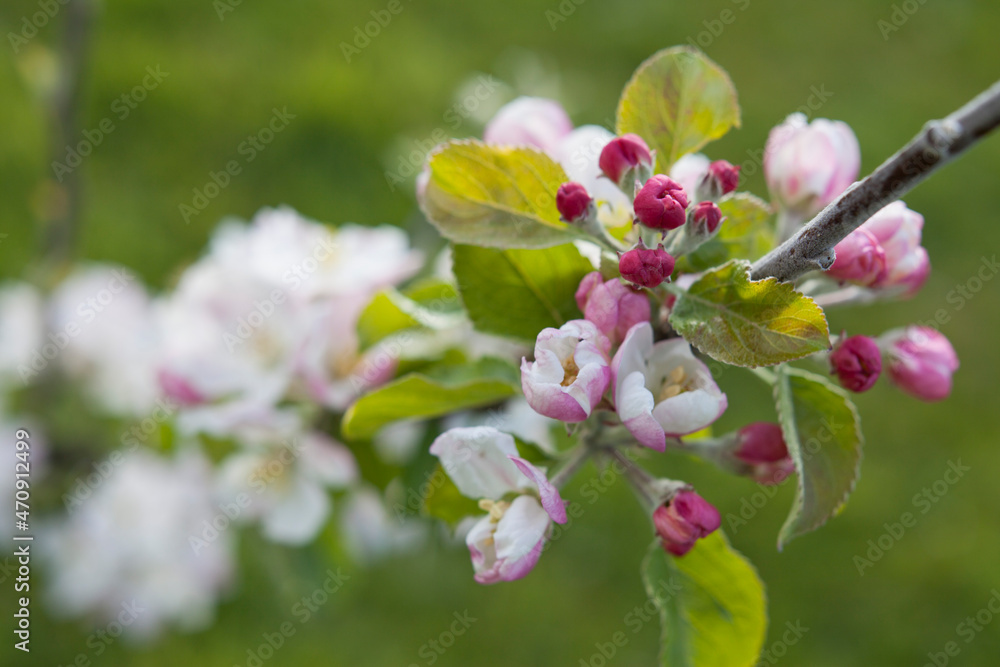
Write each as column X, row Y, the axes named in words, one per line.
column 356, row 124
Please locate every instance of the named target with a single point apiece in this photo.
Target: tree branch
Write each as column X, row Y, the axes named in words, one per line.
column 937, row 144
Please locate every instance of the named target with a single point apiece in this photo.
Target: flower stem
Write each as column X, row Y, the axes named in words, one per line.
column 574, row 462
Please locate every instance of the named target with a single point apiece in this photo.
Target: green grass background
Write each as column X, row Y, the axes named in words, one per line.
column 353, row 122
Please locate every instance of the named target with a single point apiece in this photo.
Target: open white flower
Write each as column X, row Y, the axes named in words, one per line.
column 662, row 389
column 485, row 465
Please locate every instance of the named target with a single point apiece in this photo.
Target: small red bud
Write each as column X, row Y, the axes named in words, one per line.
column 707, row 216
column 857, row 362
column 645, row 266
column 685, row 519
column 624, row 153
column 572, row 200
column 725, row 175
column 661, row 203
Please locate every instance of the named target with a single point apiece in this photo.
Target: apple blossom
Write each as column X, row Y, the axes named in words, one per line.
column 662, row 389
column 898, row 231
column 611, row 305
column 625, row 160
column 147, row 536
column 532, row 121
column 857, row 362
column 660, row 203
column 646, row 267
column 860, row 259
column 287, row 481
column 683, row 520
column 573, row 202
column 921, row 361
column 761, row 446
column 807, row 165
column 706, row 218
column 570, row 372
column 484, row 464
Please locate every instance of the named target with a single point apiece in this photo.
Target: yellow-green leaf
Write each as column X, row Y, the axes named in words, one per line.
column 823, row 432
column 495, row 196
column 749, row 323
column 678, row 100
column 713, row 609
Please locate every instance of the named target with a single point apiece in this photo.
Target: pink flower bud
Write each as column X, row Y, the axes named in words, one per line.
column 573, row 201
column 921, row 362
column 723, row 177
column 857, row 362
column 860, row 259
column 660, row 203
column 645, row 266
column 623, row 158
column 898, row 230
column 808, row 165
column 612, row 306
column 706, row 217
column 685, row 519
column 532, row 121
column 762, row 446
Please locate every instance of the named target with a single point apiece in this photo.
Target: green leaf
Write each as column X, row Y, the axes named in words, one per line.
column 391, row 312
column 823, row 432
column 678, row 101
column 495, row 196
column 749, row 323
column 713, row 609
column 443, row 500
column 517, row 293
column 746, row 233
column 431, row 394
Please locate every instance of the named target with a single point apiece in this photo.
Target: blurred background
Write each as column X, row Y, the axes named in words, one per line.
column 359, row 110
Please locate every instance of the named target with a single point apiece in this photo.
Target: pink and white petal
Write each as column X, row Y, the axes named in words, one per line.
column 482, row 547
column 689, row 412
column 635, row 407
column 557, row 402
column 476, row 460
column 518, row 535
column 631, row 356
column 296, row 514
column 552, row 502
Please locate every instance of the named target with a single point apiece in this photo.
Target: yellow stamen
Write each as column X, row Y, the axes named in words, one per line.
column 571, row 371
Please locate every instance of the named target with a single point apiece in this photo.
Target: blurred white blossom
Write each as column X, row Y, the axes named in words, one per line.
column 129, row 543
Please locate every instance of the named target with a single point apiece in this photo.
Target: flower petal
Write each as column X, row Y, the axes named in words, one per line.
column 477, row 460
column 551, row 500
